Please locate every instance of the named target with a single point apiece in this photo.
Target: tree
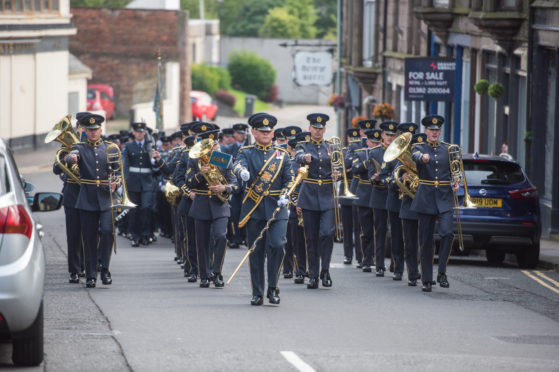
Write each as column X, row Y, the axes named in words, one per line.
column 111, row 4
column 193, row 7
column 251, row 74
column 248, row 18
column 326, row 21
column 280, row 24
column 305, row 13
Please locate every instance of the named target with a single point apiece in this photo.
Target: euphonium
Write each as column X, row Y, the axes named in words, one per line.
column 172, row 193
column 399, row 149
column 64, row 133
column 213, row 177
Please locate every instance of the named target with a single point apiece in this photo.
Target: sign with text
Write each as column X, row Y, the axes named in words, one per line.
column 430, row 79
column 312, row 68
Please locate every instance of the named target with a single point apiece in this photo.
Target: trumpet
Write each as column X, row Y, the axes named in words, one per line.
column 65, row 134
column 202, row 151
column 337, row 163
column 399, row 149
column 458, row 175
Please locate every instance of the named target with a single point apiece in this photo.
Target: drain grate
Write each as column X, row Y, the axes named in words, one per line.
column 530, row 339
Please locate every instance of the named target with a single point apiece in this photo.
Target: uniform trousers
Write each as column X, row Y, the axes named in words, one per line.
column 74, row 240
column 319, row 235
column 426, row 226
column 411, row 247
column 367, row 234
column 237, row 234
column 97, row 233
column 140, row 217
column 190, row 243
column 203, row 230
column 397, row 241
column 270, row 247
column 352, row 232
column 357, row 234
column 176, row 229
column 380, row 217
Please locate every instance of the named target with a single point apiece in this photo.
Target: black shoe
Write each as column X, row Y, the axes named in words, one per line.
column 380, row 272
column 74, row 278
column 82, row 274
column 367, row 269
column 412, row 282
column 347, row 260
column 288, row 275
column 426, row 287
column 218, row 281
column 204, row 283
column 153, row 238
column 391, row 267
column 313, row 283
column 273, row 296
column 233, row 245
column 90, row 283
column 106, row 277
column 359, row 265
column 326, row 280
column 256, row 300
column 443, row 281
column 176, row 258
column 299, row 279
column 397, row 276
column 212, row 277
column 192, row 278
column 135, row 243
column 144, row 241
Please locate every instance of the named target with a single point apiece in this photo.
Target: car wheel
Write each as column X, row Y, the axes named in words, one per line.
column 529, row 257
column 495, row 257
column 28, row 350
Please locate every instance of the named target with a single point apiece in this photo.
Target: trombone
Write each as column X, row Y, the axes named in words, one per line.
column 337, row 163
column 458, row 175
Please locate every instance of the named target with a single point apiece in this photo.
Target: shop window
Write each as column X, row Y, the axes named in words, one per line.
column 29, row 5
column 369, row 9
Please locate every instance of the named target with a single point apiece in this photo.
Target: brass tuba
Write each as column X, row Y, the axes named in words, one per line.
column 116, row 175
column 457, row 175
column 202, row 151
column 399, row 149
column 64, row 133
column 172, row 193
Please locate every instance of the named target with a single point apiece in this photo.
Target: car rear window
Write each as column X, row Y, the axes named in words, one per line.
column 4, row 181
column 492, row 173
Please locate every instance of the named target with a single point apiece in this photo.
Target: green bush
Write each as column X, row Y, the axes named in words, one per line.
column 496, row 90
column 251, row 73
column 210, row 78
column 481, row 87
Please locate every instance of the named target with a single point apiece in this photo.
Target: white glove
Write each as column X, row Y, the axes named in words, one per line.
column 283, row 201
column 245, row 175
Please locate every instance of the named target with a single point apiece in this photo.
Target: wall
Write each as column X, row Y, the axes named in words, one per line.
column 282, row 60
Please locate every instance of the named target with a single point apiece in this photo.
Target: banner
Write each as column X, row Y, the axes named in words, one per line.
column 312, row 68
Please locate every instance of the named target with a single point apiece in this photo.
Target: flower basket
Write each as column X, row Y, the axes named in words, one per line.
column 496, row 90
column 383, row 111
column 481, row 87
column 355, row 121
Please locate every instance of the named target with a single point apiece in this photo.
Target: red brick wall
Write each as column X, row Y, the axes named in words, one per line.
column 120, row 47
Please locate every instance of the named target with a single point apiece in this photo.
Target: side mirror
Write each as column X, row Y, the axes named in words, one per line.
column 46, row 201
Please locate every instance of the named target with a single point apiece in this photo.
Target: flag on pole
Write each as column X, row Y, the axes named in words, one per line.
column 158, row 99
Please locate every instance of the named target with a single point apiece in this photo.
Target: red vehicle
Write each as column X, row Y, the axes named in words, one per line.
column 202, row 106
column 101, row 97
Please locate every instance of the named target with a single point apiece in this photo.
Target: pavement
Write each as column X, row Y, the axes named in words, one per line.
column 41, row 160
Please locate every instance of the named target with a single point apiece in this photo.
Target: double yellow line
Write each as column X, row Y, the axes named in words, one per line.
column 542, row 279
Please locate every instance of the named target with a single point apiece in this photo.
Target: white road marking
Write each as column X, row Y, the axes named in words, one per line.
column 297, row 362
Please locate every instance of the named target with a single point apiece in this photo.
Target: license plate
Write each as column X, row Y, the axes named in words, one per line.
column 488, row 202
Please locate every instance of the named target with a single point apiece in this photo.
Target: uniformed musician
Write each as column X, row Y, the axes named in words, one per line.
column 94, row 198
column 434, row 199
column 209, row 212
column 267, row 172
column 380, row 193
column 316, row 201
column 409, row 226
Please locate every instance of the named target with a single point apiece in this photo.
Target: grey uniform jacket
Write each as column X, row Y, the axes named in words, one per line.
column 360, row 169
column 380, row 191
column 138, row 167
column 393, row 201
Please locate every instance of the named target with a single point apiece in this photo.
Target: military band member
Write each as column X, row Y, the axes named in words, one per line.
column 279, row 138
column 94, row 198
column 228, row 136
column 380, row 193
column 409, row 226
column 351, row 229
column 138, row 168
column 360, row 169
column 316, row 201
column 289, row 260
column 434, row 199
column 267, row 172
column 210, row 213
column 70, row 191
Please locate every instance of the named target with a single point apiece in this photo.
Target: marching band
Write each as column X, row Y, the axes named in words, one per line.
column 209, row 189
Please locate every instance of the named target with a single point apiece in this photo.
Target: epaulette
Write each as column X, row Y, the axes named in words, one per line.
column 363, row 149
column 280, row 148
column 376, row 147
column 246, row 147
column 446, row 143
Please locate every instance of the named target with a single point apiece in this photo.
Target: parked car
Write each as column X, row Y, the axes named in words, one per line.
column 507, row 217
column 101, row 97
column 22, row 262
column 203, row 108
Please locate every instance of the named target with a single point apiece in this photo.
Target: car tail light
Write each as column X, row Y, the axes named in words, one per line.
column 15, row 220
column 529, row 193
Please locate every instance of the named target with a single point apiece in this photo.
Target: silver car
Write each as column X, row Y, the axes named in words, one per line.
column 22, row 262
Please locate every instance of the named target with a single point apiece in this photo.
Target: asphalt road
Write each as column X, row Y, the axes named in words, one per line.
column 151, row 319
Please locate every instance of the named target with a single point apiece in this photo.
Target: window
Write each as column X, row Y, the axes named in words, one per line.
column 492, row 173
column 29, row 5
column 440, row 3
column 368, row 32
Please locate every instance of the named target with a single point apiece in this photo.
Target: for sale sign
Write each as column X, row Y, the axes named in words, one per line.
column 430, row 79
column 312, row 68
